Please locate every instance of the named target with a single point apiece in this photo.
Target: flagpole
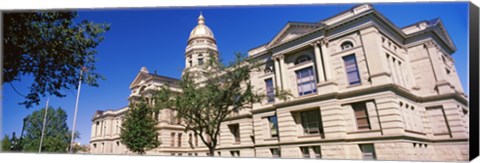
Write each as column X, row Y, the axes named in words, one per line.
column 75, row 114
column 43, row 127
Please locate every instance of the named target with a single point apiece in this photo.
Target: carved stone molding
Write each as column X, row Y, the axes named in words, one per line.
column 324, row 41
column 430, row 44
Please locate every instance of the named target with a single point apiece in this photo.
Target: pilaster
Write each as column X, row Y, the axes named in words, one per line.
column 373, row 50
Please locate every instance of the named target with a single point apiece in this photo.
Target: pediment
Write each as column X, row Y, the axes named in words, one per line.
column 139, row 79
column 292, row 31
column 440, row 29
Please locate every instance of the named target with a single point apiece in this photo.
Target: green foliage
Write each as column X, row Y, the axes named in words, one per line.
column 138, row 131
column 56, row 138
column 6, row 144
column 52, row 47
column 210, row 96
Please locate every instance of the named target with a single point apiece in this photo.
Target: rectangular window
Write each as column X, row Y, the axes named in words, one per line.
column 351, row 68
column 306, row 81
column 179, row 139
column 305, row 152
column 270, row 90
column 196, row 140
column 200, row 61
column 273, row 125
column 317, row 151
column 173, row 139
column 235, row 130
column 275, row 152
column 361, row 116
column 311, row 122
column 235, row 153
column 368, row 151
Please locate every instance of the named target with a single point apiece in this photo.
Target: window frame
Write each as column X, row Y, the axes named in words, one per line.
column 356, row 107
column 300, row 83
column 354, row 69
column 302, row 59
column 275, row 126
column 365, row 153
column 235, row 131
column 270, row 90
column 311, row 117
column 344, row 45
column 276, row 152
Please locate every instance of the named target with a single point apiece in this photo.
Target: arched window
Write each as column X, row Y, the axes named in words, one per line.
column 346, row 45
column 303, row 58
column 200, row 59
column 141, row 89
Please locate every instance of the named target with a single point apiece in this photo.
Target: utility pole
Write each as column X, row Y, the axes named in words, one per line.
column 43, row 127
column 76, row 109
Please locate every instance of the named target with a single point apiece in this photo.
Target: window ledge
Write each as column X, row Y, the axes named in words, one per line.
column 362, row 131
column 310, row 135
column 270, row 139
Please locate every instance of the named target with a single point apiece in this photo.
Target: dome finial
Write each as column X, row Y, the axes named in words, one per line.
column 201, row 19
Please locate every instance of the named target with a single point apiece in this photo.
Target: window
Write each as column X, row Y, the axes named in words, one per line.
column 200, row 61
column 235, row 153
column 311, row 122
column 219, row 153
column 190, row 63
column 173, row 139
column 179, row 139
column 306, row 81
column 189, row 154
column 352, row 70
column 196, row 140
column 305, row 152
column 317, row 151
column 368, row 151
column 361, row 116
column 190, row 139
column 275, row 152
column 270, row 90
column 303, row 58
column 196, row 154
column 118, row 143
column 179, row 154
column 346, row 45
column 273, row 125
column 235, row 130
column 94, row 145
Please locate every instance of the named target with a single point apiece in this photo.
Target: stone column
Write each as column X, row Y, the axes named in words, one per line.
column 326, row 59
column 319, row 62
column 329, row 85
column 373, row 52
column 438, row 67
column 283, row 71
column 278, row 81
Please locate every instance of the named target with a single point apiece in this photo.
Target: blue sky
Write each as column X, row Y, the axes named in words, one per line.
column 156, row 38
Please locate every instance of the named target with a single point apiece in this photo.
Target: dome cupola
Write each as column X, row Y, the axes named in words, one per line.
column 201, row 30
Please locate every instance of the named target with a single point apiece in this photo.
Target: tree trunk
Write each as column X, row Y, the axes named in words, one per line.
column 211, row 150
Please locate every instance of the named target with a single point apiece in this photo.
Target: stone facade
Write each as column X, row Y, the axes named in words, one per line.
column 363, row 89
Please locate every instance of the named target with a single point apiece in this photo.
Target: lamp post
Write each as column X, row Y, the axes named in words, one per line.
column 76, row 109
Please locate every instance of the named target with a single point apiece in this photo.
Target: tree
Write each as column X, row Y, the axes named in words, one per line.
column 53, row 48
column 138, row 129
column 6, row 144
column 208, row 96
column 56, row 136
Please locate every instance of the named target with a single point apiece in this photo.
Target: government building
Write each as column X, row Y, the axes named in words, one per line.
column 362, row 88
